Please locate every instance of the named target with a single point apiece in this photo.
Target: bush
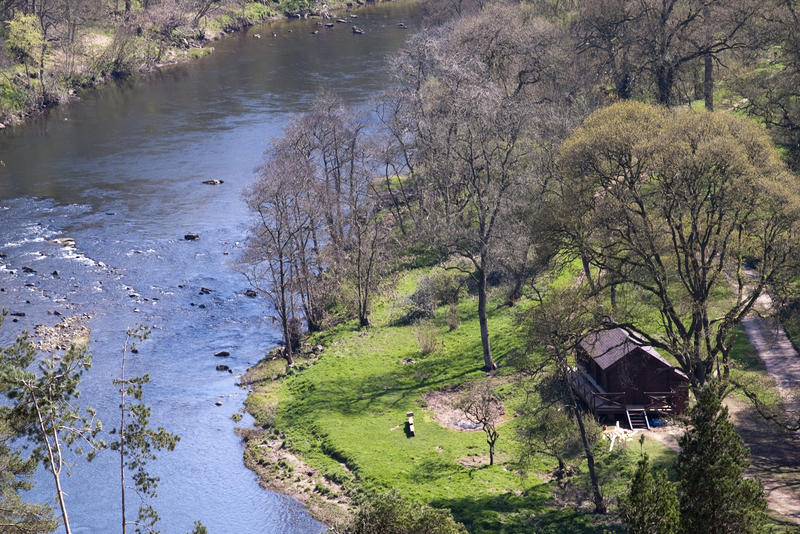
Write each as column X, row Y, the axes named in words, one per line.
column 428, row 339
column 439, row 288
column 421, row 303
column 453, row 319
column 390, row 513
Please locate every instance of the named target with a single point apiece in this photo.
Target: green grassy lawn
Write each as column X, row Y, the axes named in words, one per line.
column 345, row 413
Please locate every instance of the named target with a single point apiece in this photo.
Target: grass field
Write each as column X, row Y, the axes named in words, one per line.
column 344, row 415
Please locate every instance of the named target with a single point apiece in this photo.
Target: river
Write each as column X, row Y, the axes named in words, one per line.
column 120, row 172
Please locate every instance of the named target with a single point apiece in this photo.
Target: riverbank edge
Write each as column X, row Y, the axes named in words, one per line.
column 192, row 50
column 267, row 455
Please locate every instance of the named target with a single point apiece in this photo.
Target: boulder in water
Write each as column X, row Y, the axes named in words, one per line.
column 222, row 354
column 191, row 237
column 216, row 181
column 64, row 241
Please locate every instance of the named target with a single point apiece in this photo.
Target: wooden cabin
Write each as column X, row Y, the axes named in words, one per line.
column 618, row 373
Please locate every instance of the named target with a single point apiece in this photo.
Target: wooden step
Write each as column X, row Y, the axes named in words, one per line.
column 637, row 419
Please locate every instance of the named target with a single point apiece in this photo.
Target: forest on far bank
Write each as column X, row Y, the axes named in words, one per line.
column 52, row 49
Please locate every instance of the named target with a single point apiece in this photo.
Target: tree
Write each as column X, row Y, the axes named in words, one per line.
column 272, row 255
column 547, row 426
column 481, row 406
column 773, row 88
column 390, row 513
column 462, row 122
column 651, row 506
column 17, row 516
column 715, row 496
column 24, row 40
column 319, row 221
column 672, row 206
column 43, row 407
column 136, row 442
column 555, row 326
column 657, row 42
column 333, row 139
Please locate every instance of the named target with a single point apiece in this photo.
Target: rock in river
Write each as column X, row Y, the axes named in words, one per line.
column 222, row 354
column 191, row 237
column 216, row 181
column 64, row 241
column 250, row 293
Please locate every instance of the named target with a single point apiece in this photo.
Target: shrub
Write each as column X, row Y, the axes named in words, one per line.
column 427, row 336
column 453, row 320
column 390, row 513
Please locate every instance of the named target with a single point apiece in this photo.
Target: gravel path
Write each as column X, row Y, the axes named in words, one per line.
column 774, row 453
column 779, row 356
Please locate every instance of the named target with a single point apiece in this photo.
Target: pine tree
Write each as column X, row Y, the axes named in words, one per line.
column 651, row 506
column 715, row 497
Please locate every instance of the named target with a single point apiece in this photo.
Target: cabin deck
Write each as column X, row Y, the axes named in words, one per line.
column 602, row 402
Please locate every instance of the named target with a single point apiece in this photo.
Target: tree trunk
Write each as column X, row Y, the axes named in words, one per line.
column 122, row 439
column 708, row 82
column 599, row 505
column 284, row 313
column 287, row 342
column 489, row 364
column 56, row 470
column 491, row 453
column 587, row 271
column 708, row 74
column 41, row 72
column 614, row 299
column 664, row 79
column 61, row 503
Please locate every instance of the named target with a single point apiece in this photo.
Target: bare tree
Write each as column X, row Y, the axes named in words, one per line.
column 463, row 127
column 654, row 41
column 270, row 254
column 481, row 406
column 333, row 139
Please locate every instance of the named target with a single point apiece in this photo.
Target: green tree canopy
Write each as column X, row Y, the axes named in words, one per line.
column 674, row 206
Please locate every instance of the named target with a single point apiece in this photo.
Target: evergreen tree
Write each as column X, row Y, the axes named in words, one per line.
column 651, row 506
column 715, row 497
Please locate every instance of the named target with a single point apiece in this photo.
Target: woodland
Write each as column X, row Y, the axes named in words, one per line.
column 536, row 173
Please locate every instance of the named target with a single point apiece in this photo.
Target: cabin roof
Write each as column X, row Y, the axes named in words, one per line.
column 609, row 346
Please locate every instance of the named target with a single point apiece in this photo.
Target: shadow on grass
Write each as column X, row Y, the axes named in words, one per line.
column 434, row 468
column 511, row 513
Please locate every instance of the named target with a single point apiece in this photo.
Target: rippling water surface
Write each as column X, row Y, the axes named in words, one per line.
column 121, row 172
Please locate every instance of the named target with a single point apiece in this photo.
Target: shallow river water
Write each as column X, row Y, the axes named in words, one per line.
column 120, row 172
